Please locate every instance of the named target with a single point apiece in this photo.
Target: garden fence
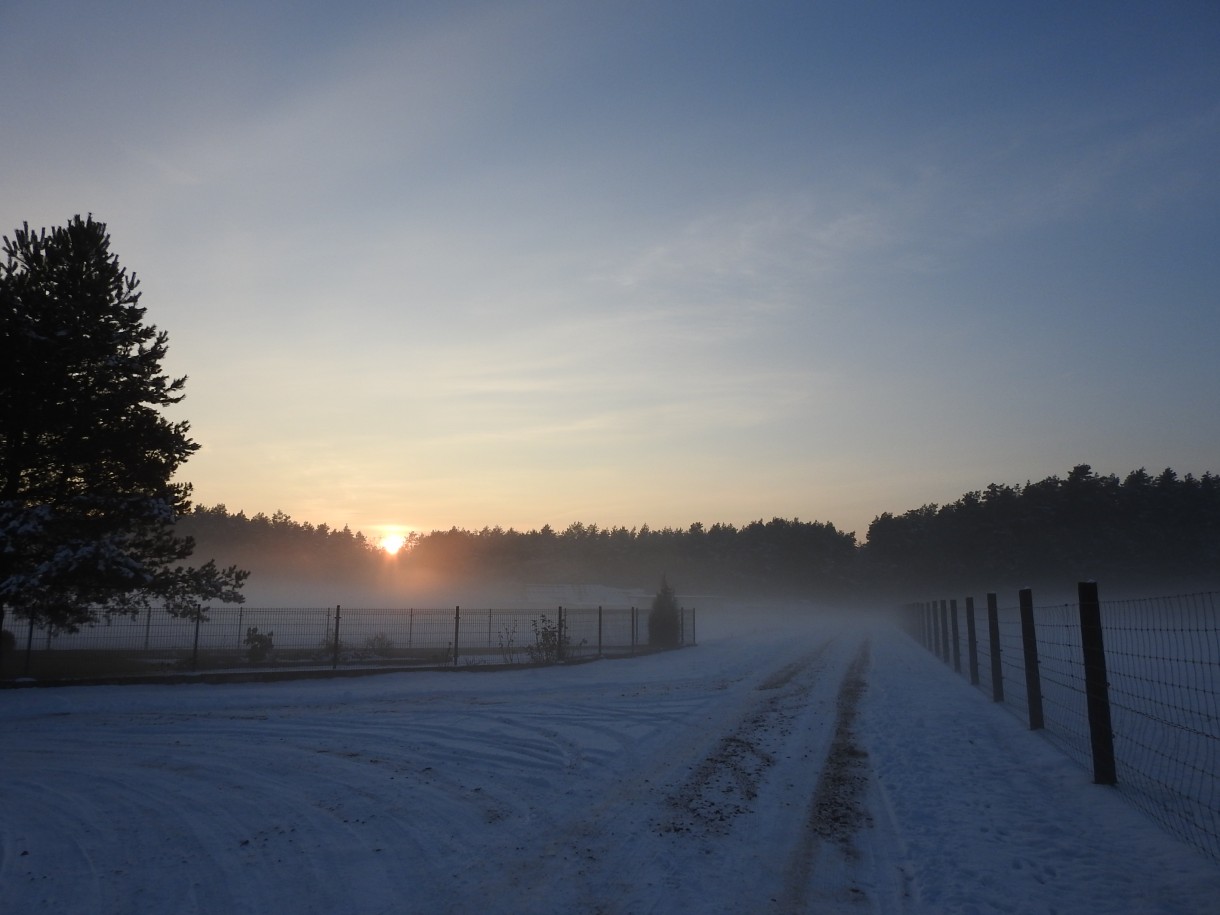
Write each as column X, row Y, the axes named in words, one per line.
column 158, row 642
column 1129, row 688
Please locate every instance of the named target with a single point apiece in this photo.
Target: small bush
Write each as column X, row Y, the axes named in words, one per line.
column 508, row 644
column 258, row 644
column 665, row 618
column 549, row 642
column 380, row 644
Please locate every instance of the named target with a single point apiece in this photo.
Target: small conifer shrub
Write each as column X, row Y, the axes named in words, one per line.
column 665, row 618
column 258, row 644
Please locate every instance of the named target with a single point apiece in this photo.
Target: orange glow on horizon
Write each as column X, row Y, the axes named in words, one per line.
column 392, row 543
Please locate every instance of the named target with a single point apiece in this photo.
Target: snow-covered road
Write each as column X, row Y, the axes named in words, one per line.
column 819, row 766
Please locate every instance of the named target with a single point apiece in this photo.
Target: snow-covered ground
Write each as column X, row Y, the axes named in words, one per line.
column 813, row 766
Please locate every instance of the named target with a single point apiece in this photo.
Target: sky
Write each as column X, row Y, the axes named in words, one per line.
column 440, row 264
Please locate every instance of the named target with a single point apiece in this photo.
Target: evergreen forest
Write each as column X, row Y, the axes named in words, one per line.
column 1137, row 534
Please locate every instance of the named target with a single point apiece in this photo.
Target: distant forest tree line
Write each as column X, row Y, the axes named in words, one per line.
column 1134, row 533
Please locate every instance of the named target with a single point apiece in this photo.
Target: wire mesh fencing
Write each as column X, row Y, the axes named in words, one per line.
column 157, row 642
column 1164, row 666
column 1142, row 710
column 1012, row 669
column 1060, row 671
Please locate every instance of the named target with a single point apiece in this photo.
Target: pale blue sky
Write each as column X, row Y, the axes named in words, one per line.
column 434, row 264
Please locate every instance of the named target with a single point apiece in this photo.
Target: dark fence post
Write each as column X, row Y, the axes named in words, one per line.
column 457, row 622
column 633, row 629
column 334, row 664
column 599, row 631
column 1029, row 643
column 993, row 638
column 972, row 644
column 29, row 645
column 694, row 638
column 1097, row 686
column 195, row 649
column 944, row 631
column 955, row 634
column 929, row 626
column 559, row 636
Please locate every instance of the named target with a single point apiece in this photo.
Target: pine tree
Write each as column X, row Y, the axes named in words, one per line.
column 665, row 618
column 87, row 506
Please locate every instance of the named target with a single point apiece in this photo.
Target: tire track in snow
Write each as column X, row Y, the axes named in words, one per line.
column 725, row 784
column 829, row 866
column 665, row 840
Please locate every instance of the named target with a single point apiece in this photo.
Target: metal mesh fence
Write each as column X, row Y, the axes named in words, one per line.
column 1061, row 671
column 1162, row 659
column 156, row 642
column 1012, row 666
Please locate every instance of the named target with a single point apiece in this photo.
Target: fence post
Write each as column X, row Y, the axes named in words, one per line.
column 682, row 626
column 1097, row 686
column 457, row 622
column 599, row 631
column 929, row 626
column 955, row 634
column 29, row 645
column 335, row 659
column 195, row 649
column 972, row 643
column 694, row 637
column 632, row 624
column 1029, row 643
column 944, row 631
column 993, row 638
column 559, row 636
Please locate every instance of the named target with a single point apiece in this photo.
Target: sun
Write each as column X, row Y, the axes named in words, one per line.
column 392, row 543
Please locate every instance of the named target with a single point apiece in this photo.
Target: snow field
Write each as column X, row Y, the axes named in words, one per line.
column 745, row 775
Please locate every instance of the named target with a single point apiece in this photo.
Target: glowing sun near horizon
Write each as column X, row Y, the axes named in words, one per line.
column 392, row 543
